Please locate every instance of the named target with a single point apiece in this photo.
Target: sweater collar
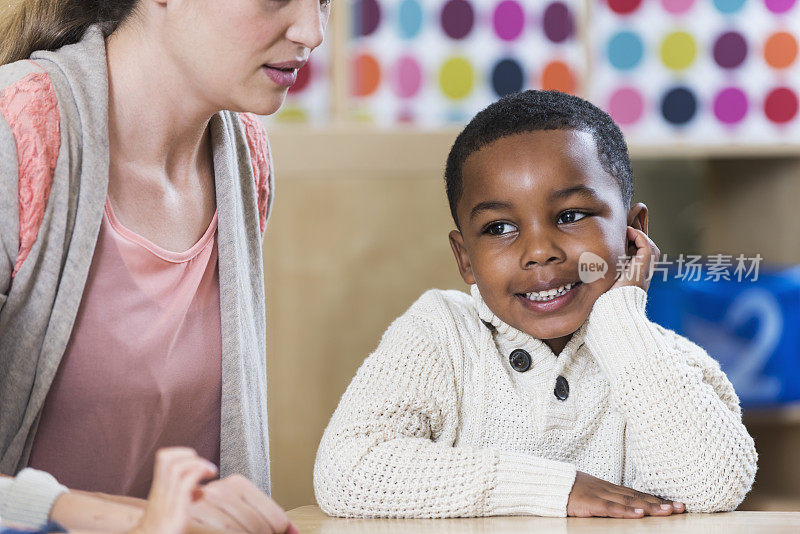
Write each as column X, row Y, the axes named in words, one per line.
column 520, row 338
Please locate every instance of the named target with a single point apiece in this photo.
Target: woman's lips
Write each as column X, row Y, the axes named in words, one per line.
column 282, row 77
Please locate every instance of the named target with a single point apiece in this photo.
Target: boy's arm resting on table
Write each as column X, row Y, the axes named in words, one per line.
column 388, row 449
column 685, row 440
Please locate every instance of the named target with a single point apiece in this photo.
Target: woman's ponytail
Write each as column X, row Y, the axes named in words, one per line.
column 30, row 25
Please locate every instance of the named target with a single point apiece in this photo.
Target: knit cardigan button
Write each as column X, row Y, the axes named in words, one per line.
column 520, row 360
column 562, row 388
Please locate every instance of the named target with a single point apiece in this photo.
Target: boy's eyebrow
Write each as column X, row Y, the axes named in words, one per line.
column 488, row 205
column 582, row 190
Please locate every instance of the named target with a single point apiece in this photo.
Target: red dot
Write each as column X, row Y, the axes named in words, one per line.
column 303, row 77
column 623, row 7
column 781, row 105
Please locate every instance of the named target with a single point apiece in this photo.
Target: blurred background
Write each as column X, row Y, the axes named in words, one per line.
column 707, row 94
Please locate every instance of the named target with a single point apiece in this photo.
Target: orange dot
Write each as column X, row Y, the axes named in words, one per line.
column 557, row 76
column 780, row 50
column 366, row 75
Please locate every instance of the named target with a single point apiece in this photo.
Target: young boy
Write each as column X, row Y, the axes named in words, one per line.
column 546, row 391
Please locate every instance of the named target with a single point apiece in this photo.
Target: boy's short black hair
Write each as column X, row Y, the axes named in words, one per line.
column 540, row 110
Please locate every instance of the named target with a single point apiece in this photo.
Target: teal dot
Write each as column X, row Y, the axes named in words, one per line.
column 728, row 6
column 409, row 17
column 625, row 50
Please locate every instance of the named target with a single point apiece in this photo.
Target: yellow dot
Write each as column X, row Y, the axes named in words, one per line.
column 678, row 50
column 292, row 114
column 456, row 78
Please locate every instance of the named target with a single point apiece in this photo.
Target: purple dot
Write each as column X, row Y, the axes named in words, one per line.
column 367, row 15
column 730, row 105
column 730, row 50
column 779, row 6
column 509, row 20
column 457, row 18
column 558, row 22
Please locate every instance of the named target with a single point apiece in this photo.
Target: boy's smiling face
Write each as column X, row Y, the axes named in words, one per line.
column 531, row 204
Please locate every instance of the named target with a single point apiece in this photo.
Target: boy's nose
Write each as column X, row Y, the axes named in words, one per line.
column 541, row 249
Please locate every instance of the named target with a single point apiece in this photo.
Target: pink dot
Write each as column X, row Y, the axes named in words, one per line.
column 626, row 105
column 676, row 7
column 730, row 105
column 509, row 20
column 779, row 6
column 406, row 77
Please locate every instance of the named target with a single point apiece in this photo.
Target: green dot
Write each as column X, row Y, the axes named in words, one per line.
column 678, row 50
column 456, row 78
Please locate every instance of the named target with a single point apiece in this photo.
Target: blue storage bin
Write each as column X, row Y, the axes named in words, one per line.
column 751, row 327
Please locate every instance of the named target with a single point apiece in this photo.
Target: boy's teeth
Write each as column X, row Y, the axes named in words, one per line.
column 550, row 293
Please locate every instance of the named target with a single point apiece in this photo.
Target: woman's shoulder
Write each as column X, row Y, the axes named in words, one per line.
column 30, row 140
column 27, row 96
column 261, row 162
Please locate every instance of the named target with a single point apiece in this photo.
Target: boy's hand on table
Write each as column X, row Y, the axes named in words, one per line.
column 594, row 497
column 236, row 504
column 643, row 255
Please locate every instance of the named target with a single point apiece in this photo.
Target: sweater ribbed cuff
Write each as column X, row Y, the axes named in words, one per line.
column 527, row 485
column 26, row 500
column 619, row 334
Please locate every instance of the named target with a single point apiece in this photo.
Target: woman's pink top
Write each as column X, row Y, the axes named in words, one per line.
column 143, row 368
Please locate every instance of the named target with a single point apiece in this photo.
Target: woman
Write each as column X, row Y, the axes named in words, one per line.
column 132, row 209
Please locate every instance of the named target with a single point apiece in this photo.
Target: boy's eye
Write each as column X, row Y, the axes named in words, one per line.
column 570, row 217
column 499, row 228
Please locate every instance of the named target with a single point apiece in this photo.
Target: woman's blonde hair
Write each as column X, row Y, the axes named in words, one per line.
column 30, row 25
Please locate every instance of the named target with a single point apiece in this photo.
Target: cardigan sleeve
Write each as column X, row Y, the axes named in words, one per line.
column 389, row 451
column 9, row 208
column 26, row 499
column 684, row 436
column 261, row 162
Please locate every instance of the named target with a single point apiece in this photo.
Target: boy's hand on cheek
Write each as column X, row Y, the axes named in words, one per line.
column 594, row 497
column 644, row 254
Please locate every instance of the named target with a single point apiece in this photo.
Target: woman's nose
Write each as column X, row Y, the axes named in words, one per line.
column 307, row 25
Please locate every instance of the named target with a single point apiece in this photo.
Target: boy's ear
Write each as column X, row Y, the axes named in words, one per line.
column 637, row 217
column 462, row 258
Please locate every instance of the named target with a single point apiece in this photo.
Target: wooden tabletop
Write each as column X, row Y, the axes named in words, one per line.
column 311, row 520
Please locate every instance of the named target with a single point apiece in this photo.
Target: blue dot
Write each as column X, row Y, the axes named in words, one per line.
column 409, row 16
column 728, row 6
column 625, row 50
column 679, row 105
column 507, row 77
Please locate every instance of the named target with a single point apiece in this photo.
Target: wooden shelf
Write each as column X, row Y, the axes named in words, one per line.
column 784, row 415
column 369, row 147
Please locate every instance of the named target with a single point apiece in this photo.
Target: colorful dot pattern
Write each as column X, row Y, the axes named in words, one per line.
column 714, row 70
column 666, row 70
column 437, row 61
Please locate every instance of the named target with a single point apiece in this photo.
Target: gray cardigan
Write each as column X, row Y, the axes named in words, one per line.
column 38, row 306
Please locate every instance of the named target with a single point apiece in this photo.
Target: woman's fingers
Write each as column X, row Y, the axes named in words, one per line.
column 246, row 505
column 266, row 507
column 176, row 476
column 211, row 516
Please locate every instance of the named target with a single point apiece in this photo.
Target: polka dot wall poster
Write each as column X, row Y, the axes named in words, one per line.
column 436, row 62
column 708, row 71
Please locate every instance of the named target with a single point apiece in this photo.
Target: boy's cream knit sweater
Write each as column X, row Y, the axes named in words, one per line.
column 437, row 423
